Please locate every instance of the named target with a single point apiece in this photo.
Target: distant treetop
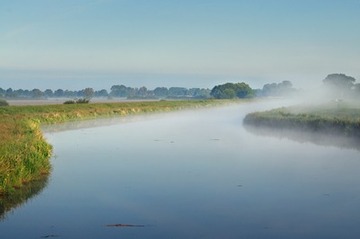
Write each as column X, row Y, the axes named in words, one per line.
column 277, row 89
column 341, row 86
column 232, row 90
column 339, row 80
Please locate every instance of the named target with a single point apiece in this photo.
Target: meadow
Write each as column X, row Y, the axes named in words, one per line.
column 24, row 153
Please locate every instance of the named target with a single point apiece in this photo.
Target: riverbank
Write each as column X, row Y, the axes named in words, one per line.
column 59, row 101
column 342, row 119
column 24, row 153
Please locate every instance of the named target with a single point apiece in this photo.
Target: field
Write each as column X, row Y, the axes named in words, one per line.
column 335, row 118
column 24, row 154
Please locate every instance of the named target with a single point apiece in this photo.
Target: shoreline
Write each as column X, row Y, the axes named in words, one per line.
column 24, row 152
column 329, row 119
column 59, row 101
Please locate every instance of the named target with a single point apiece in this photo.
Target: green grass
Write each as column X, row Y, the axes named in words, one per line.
column 333, row 118
column 24, row 153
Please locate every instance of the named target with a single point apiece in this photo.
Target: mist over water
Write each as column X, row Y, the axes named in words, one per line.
column 191, row 174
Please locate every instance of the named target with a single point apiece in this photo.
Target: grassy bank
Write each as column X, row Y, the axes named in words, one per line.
column 333, row 118
column 24, row 154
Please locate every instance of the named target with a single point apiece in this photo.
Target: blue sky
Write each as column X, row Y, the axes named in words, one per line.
column 200, row 43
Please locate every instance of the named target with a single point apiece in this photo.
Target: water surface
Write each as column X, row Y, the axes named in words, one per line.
column 192, row 174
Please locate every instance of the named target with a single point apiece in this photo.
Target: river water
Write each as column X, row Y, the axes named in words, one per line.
column 190, row 174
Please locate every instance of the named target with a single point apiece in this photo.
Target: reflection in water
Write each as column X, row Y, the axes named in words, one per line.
column 21, row 196
column 94, row 123
column 306, row 136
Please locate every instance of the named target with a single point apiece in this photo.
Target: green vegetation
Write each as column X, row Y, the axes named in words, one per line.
column 224, row 91
column 284, row 88
column 78, row 101
column 341, row 86
column 24, row 154
column 333, row 118
column 69, row 102
column 121, row 91
column 23, row 151
column 3, row 102
column 231, row 91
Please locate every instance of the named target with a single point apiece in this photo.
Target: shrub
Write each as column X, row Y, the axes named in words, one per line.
column 79, row 101
column 82, row 101
column 3, row 102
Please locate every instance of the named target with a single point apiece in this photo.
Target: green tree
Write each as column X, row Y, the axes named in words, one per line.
column 36, row 93
column 142, row 92
column 88, row 93
column 339, row 84
column 118, row 91
column 161, row 91
column 232, row 90
column 101, row 93
column 177, row 91
column 10, row 93
column 59, row 93
column 48, row 93
column 280, row 89
column 2, row 92
column 339, row 81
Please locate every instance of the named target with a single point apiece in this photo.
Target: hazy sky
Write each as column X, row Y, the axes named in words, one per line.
column 200, row 43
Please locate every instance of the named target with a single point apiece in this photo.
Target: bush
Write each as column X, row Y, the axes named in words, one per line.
column 3, row 103
column 231, row 91
column 79, row 101
column 82, row 101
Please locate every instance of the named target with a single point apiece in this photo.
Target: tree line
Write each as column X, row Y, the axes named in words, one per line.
column 224, row 91
column 340, row 86
column 118, row 91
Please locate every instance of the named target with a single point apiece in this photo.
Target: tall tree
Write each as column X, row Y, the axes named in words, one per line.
column 280, row 89
column 161, row 91
column 2, row 92
column 101, row 93
column 118, row 91
column 59, row 93
column 10, row 93
column 177, row 91
column 232, row 90
column 88, row 93
column 339, row 84
column 339, row 81
column 36, row 93
column 48, row 93
column 142, row 91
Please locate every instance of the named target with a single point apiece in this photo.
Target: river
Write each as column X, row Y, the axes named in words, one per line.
column 190, row 174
